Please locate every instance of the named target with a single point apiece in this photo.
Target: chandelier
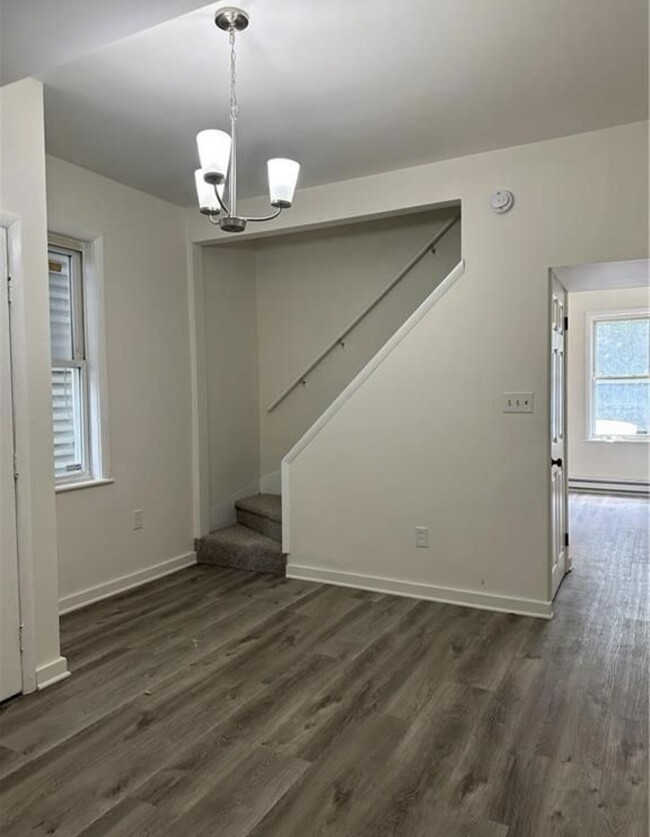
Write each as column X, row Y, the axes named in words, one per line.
column 218, row 155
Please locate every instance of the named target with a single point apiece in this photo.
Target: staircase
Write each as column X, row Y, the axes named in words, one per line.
column 254, row 543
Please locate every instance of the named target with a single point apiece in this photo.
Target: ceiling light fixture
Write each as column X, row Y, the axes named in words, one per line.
column 218, row 154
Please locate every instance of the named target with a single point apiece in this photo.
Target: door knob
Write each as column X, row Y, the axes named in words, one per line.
column 557, row 462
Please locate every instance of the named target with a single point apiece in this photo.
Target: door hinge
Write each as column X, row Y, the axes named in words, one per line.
column 566, row 323
column 566, row 538
column 21, row 642
column 15, row 465
column 9, row 287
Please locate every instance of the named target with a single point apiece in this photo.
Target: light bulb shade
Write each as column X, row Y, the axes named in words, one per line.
column 214, row 154
column 208, row 202
column 283, row 176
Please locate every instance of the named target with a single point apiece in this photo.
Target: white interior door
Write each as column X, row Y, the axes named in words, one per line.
column 559, row 492
column 10, row 661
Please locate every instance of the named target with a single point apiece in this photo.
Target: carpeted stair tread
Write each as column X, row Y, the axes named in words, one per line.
column 237, row 535
column 241, row 547
column 263, row 505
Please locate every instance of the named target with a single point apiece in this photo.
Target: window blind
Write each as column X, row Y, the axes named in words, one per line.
column 66, row 375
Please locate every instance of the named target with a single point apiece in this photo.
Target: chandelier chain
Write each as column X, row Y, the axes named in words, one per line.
column 233, row 76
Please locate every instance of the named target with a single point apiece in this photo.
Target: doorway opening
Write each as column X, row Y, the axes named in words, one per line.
column 600, row 400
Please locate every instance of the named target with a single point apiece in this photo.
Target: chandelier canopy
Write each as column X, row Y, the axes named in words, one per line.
column 218, row 154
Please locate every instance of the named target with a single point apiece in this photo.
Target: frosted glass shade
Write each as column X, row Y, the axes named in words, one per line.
column 283, row 176
column 208, row 203
column 214, row 154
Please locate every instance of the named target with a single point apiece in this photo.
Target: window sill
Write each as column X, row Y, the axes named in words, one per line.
column 617, row 440
column 75, row 486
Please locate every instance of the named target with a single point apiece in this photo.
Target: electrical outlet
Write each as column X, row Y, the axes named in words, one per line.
column 517, row 402
column 138, row 519
column 421, row 537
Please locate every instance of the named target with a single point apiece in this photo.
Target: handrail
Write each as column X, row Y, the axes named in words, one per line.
column 371, row 305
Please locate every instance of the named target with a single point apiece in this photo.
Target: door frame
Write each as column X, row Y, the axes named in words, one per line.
column 12, row 662
column 26, row 599
column 565, row 470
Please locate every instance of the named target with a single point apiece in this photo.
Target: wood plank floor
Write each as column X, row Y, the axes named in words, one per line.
column 215, row 702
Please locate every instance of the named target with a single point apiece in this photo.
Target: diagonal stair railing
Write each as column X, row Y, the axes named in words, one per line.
column 340, row 337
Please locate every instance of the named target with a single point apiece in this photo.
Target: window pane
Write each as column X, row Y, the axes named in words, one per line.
column 67, row 418
column 60, row 285
column 622, row 408
column 622, row 347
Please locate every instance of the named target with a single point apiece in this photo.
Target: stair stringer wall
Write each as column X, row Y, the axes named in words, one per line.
column 310, row 286
column 401, row 448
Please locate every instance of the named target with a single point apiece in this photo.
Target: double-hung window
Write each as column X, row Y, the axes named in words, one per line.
column 619, row 385
column 69, row 380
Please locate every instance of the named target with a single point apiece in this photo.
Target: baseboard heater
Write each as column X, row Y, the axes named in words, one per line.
column 602, row 486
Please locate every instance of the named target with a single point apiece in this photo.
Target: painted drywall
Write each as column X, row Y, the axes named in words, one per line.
column 310, row 286
column 23, row 211
column 267, row 310
column 230, row 323
column 424, row 441
column 28, row 48
column 588, row 459
column 462, row 77
column 149, row 394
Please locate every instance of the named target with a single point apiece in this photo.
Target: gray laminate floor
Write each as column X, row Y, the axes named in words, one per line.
column 214, row 702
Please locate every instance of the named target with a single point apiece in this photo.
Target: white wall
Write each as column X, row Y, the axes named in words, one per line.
column 149, row 394
column 425, row 443
column 268, row 308
column 230, row 323
column 23, row 210
column 310, row 286
column 625, row 461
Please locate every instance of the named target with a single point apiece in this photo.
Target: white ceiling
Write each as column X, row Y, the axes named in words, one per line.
column 38, row 34
column 350, row 88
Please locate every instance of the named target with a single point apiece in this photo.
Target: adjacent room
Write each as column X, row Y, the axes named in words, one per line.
column 324, row 419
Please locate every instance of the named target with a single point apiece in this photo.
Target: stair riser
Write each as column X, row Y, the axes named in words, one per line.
column 212, row 554
column 271, row 528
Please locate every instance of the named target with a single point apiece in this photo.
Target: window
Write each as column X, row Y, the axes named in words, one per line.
column 620, row 376
column 77, row 357
column 69, row 368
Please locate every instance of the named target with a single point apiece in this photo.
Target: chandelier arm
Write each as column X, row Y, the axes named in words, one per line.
column 221, row 203
column 267, row 217
column 213, row 219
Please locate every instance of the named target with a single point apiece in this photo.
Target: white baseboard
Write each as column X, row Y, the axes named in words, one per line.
column 223, row 513
column 416, row 590
column 271, row 483
column 606, row 486
column 126, row 582
column 52, row 673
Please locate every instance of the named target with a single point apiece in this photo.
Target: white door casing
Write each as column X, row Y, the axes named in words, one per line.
column 10, row 656
column 560, row 564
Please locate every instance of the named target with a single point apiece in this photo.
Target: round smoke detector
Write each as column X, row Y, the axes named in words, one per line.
column 502, row 201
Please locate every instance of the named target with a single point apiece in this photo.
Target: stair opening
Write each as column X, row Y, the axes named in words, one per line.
column 270, row 307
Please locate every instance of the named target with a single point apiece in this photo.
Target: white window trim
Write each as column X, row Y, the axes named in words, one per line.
column 591, row 318
column 98, row 470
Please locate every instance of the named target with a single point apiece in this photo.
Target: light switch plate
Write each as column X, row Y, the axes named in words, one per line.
column 517, row 402
column 421, row 537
